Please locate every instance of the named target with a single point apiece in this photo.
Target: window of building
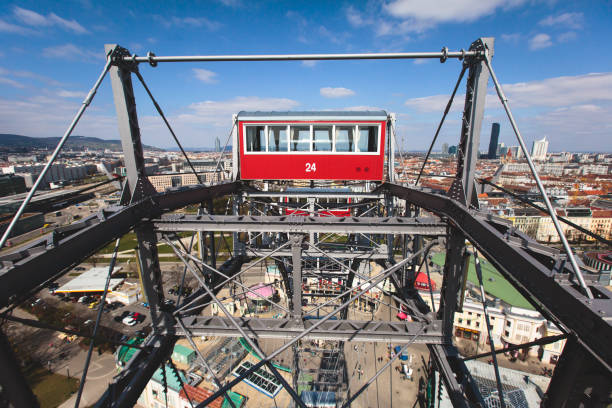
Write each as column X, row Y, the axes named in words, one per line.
column 469, row 322
column 460, row 320
column 470, row 313
column 508, row 323
column 368, row 138
column 176, row 181
column 507, row 333
column 300, row 138
column 322, row 139
column 477, row 324
column 255, row 139
column 278, row 140
column 345, row 139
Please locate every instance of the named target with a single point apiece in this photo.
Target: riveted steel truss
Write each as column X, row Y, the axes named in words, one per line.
column 381, row 245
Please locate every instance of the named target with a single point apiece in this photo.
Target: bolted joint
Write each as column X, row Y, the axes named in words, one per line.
column 444, row 56
column 121, row 58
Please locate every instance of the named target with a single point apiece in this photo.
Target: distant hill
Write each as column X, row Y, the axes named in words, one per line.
column 18, row 143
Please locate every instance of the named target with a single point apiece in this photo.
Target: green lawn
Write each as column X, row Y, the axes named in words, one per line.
column 494, row 283
column 50, row 389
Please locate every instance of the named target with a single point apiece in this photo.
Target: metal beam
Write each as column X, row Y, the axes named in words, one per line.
column 125, row 105
column 13, row 384
column 332, row 330
column 559, row 301
column 441, row 55
column 301, row 224
column 129, row 384
column 42, row 265
column 374, row 254
column 296, row 274
column 462, row 188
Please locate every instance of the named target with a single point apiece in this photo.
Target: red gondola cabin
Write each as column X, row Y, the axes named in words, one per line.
column 311, row 145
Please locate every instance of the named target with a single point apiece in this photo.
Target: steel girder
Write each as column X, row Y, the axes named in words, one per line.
column 350, row 255
column 28, row 270
column 127, row 386
column 301, row 224
column 343, row 330
column 556, row 297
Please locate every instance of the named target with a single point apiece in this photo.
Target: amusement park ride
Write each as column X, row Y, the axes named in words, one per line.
column 297, row 178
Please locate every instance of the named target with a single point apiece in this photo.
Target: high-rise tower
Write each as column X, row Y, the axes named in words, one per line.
column 493, row 141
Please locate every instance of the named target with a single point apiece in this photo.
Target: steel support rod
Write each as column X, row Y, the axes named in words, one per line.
column 446, row 110
column 195, row 259
column 538, row 342
column 183, row 307
column 216, row 380
column 111, row 266
column 347, row 404
column 442, row 55
column 58, row 148
column 398, row 299
column 534, row 205
column 488, row 323
column 375, row 280
column 534, row 172
column 226, row 312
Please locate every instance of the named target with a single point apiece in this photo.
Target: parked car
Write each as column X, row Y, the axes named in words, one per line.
column 129, row 321
column 144, row 304
column 88, row 322
column 94, row 304
column 36, row 302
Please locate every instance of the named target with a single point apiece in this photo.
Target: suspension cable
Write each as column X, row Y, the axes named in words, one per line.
column 534, row 205
column 446, row 110
column 161, row 113
column 553, row 215
column 58, row 148
column 488, row 322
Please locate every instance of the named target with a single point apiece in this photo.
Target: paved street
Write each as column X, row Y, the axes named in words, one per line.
column 100, row 374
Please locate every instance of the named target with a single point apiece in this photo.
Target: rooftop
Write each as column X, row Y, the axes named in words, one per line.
column 494, row 283
column 92, row 280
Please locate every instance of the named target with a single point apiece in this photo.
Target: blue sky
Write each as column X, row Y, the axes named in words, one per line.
column 552, row 57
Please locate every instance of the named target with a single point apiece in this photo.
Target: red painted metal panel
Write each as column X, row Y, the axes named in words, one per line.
column 315, row 166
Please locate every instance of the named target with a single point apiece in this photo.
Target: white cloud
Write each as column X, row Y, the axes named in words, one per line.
column 231, row 3
column 442, row 11
column 205, row 75
column 11, row 82
column 71, row 51
column 219, row 113
column 511, row 38
column 433, row 103
column 6, row 27
column 561, row 91
column 34, row 19
column 355, row 18
column 566, row 20
column 309, row 63
column 568, row 36
column 329, row 92
column 551, row 92
column 360, row 108
column 182, row 22
column 540, row 41
column 71, row 94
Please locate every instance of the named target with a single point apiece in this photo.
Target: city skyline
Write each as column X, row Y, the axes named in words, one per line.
column 60, row 49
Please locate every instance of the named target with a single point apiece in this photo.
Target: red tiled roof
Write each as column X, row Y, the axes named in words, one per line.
column 199, row 395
